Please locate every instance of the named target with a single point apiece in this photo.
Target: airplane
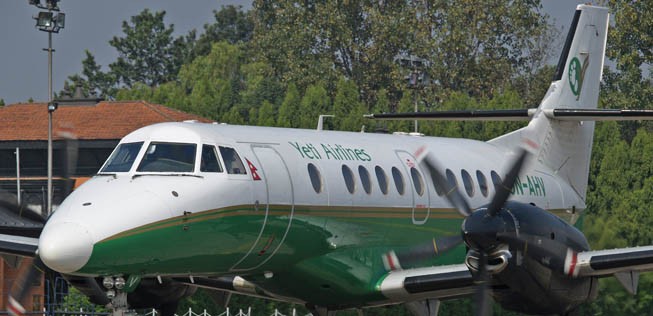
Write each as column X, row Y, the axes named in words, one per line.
column 340, row 220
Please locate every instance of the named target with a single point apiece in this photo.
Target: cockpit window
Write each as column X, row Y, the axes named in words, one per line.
column 168, row 157
column 122, row 158
column 232, row 161
column 209, row 161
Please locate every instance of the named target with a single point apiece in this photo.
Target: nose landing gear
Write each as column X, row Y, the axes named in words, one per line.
column 117, row 297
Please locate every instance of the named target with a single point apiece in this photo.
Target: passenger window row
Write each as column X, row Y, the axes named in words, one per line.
column 399, row 183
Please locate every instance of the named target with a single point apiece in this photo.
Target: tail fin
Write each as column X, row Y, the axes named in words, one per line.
column 566, row 146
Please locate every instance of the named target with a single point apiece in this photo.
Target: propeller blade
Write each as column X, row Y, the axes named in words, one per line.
column 394, row 260
column 22, row 286
column 503, row 191
column 451, row 192
column 71, row 149
column 9, row 204
column 482, row 299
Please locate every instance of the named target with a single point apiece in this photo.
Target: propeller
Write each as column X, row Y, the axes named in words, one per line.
column 34, row 267
column 480, row 228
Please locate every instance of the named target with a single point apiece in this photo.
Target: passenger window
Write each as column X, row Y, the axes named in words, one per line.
column 232, row 161
column 399, row 180
column 418, row 183
column 467, row 182
column 496, row 179
column 451, row 180
column 482, row 182
column 382, row 178
column 209, row 161
column 365, row 179
column 316, row 178
column 168, row 157
column 348, row 175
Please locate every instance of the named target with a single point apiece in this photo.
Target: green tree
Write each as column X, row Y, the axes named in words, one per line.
column 266, row 115
column 147, row 52
column 318, row 41
column 92, row 81
column 2, row 102
column 288, row 116
column 314, row 103
column 479, row 47
column 232, row 25
column 347, row 106
column 75, row 301
column 212, row 82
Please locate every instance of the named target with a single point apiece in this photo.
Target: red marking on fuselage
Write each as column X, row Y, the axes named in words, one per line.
column 253, row 169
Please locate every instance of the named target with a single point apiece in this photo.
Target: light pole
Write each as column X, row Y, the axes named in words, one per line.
column 49, row 22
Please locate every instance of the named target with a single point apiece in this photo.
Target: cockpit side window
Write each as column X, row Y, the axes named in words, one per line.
column 232, row 161
column 123, row 157
column 209, row 161
column 168, row 157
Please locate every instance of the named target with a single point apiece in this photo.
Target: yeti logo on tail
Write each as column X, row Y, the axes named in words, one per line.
column 576, row 75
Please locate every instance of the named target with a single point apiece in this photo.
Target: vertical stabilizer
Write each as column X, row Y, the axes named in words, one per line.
column 566, row 146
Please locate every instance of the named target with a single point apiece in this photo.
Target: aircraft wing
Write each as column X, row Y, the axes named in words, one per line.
column 624, row 263
column 430, row 282
column 606, row 262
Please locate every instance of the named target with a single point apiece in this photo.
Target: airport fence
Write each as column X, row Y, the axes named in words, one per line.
column 153, row 312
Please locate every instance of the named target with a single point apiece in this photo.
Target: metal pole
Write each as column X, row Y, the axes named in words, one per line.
column 415, row 100
column 18, row 174
column 49, row 206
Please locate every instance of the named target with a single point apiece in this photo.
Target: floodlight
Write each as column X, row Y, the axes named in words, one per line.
column 52, row 5
column 60, row 20
column 44, row 19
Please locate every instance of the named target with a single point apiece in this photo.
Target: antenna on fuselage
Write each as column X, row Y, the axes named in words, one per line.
column 320, row 121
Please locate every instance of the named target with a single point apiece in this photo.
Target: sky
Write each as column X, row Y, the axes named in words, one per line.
column 90, row 24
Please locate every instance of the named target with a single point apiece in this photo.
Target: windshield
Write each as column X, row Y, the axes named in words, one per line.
column 122, row 159
column 168, row 157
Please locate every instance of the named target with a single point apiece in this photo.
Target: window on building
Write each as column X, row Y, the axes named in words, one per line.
column 348, row 175
column 399, row 180
column 365, row 179
column 316, row 178
column 209, row 161
column 168, row 157
column 467, row 182
column 232, row 162
column 382, row 179
column 123, row 157
column 418, row 183
column 482, row 182
column 36, row 303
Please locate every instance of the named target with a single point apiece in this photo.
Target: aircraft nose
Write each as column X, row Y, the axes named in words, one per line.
column 65, row 247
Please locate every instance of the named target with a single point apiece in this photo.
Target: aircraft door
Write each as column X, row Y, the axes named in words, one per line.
column 273, row 191
column 416, row 185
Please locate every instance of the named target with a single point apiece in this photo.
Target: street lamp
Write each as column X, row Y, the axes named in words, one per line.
column 49, row 22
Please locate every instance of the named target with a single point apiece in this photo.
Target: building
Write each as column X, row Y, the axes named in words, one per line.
column 89, row 129
column 94, row 126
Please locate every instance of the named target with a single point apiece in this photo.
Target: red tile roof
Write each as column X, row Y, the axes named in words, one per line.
column 105, row 120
